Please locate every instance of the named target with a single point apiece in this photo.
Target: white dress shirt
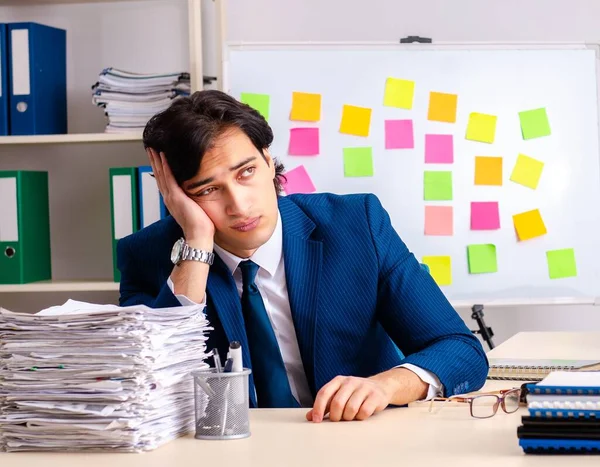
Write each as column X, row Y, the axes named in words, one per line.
column 271, row 282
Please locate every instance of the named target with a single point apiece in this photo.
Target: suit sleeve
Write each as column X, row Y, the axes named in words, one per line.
column 135, row 288
column 416, row 314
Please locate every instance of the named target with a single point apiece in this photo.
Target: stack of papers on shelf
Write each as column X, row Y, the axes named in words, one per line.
column 95, row 377
column 131, row 99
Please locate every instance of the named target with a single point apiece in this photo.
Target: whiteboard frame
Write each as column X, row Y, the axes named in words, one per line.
column 384, row 45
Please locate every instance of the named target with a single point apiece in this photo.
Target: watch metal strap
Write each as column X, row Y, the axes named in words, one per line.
column 194, row 254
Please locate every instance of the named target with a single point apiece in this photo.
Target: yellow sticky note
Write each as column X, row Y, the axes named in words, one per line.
column 442, row 107
column 440, row 268
column 482, row 128
column 529, row 225
column 355, row 120
column 399, row 93
column 306, row 107
column 488, row 171
column 527, row 171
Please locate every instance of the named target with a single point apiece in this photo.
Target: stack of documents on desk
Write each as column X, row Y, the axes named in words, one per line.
column 564, row 414
column 97, row 377
column 131, row 99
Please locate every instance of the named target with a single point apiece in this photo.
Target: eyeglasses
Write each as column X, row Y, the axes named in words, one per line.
column 484, row 405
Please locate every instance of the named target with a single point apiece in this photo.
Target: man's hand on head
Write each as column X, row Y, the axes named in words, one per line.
column 196, row 225
column 352, row 398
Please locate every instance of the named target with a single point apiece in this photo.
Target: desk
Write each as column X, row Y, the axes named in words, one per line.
column 410, row 437
column 550, row 345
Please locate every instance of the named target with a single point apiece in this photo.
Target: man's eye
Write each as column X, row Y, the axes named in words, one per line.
column 249, row 171
column 208, row 191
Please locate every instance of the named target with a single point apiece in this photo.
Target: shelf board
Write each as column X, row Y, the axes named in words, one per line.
column 57, row 2
column 71, row 138
column 61, row 286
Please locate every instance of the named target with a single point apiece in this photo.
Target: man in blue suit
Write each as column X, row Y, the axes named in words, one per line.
column 319, row 289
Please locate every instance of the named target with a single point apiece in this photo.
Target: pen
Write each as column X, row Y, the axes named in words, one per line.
column 217, row 360
column 228, row 365
column 237, row 365
column 235, row 349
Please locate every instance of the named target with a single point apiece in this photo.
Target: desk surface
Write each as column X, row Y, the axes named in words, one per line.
column 401, row 436
column 550, row 345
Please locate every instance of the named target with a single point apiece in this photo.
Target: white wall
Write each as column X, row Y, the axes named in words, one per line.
column 387, row 20
column 442, row 20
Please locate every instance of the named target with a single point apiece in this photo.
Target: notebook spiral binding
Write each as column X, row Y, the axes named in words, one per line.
column 517, row 372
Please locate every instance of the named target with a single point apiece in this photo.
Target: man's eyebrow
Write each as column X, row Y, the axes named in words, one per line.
column 199, row 183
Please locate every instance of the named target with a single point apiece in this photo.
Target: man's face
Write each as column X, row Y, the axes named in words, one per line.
column 237, row 193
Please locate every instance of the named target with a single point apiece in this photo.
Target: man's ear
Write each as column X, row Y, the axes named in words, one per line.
column 270, row 161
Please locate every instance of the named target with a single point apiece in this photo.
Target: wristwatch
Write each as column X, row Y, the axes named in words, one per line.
column 183, row 252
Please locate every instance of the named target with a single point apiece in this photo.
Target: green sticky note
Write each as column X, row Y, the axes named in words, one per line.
column 437, row 185
column 534, row 123
column 259, row 102
column 561, row 263
column 482, row 258
column 358, row 162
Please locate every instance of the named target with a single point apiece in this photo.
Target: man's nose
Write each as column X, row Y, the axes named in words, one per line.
column 237, row 202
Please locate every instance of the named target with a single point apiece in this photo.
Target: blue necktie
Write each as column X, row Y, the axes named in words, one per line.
column 270, row 378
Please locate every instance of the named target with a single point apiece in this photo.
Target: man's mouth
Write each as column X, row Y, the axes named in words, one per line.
column 246, row 225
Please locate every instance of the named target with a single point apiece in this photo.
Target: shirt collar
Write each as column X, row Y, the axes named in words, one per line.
column 267, row 256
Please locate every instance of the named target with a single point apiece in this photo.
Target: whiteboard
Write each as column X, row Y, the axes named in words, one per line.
column 497, row 80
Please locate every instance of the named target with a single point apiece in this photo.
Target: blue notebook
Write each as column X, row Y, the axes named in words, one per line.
column 564, row 413
column 4, row 130
column 37, row 61
column 558, row 446
column 568, row 383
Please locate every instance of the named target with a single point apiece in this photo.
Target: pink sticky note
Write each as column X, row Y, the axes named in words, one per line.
column 439, row 149
column 438, row 220
column 298, row 181
column 399, row 134
column 485, row 216
column 304, row 142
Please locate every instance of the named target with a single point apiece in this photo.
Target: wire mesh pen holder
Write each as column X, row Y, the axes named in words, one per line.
column 221, row 404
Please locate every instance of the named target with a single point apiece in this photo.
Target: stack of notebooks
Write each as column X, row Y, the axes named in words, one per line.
column 99, row 377
column 535, row 369
column 131, row 99
column 564, row 415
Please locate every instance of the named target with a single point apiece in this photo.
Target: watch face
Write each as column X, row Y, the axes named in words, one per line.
column 176, row 251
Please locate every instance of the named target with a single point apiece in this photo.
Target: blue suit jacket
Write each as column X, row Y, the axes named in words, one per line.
column 357, row 294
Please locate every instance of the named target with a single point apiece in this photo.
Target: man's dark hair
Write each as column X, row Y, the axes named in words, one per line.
column 190, row 126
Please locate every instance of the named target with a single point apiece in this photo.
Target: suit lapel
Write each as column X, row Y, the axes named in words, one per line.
column 303, row 258
column 223, row 295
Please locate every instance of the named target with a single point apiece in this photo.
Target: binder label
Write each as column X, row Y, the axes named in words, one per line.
column 122, row 206
column 9, row 225
column 150, row 200
column 20, row 62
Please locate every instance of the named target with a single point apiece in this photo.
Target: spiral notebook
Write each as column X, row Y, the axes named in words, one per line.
column 535, row 369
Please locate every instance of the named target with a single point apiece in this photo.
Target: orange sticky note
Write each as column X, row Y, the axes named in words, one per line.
column 529, row 225
column 442, row 107
column 355, row 120
column 306, row 107
column 488, row 171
